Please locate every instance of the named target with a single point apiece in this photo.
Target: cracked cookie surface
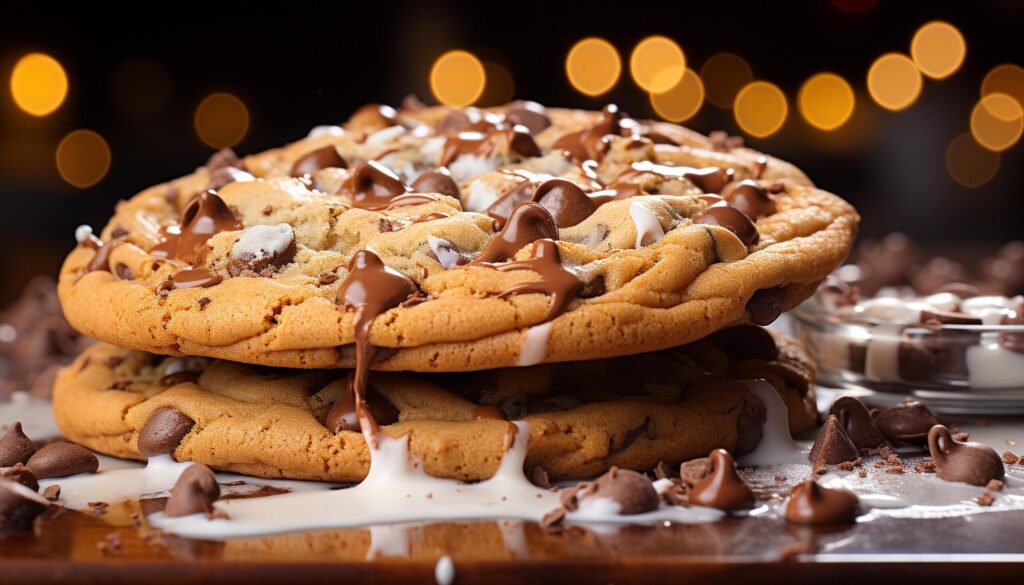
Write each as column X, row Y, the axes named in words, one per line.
column 584, row 417
column 244, row 258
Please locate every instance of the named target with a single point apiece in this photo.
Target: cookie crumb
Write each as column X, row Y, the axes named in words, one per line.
column 327, row 278
column 779, row 478
column 845, row 466
column 985, row 499
column 925, row 466
column 1010, row 458
column 203, row 301
column 862, row 473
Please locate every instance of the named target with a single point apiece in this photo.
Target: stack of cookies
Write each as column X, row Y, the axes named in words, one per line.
column 435, row 273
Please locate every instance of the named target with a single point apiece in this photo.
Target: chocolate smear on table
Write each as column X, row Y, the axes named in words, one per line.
column 858, row 423
column 15, row 447
column 163, row 431
column 529, row 222
column 555, row 281
column 62, row 459
column 194, row 492
column 371, row 288
column 20, row 474
column 750, row 198
column 19, row 506
column 1013, row 341
column 964, row 462
column 438, row 180
column 725, row 215
column 372, row 185
column 344, row 416
column 832, row 445
column 320, row 158
column 632, row 491
column 723, row 488
column 590, row 143
column 908, row 422
column 811, row 503
column 204, row 217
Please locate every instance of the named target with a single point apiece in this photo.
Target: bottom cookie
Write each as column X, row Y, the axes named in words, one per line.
column 584, row 417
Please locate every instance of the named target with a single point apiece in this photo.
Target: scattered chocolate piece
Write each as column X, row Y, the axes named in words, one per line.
column 631, row 490
column 812, row 503
column 62, row 459
column 1009, row 458
column 327, row 278
column 723, row 488
column 163, row 431
column 858, row 423
column 845, row 466
column 973, row 463
column 926, row 466
column 98, row 508
column 833, row 445
column 20, row 474
column 15, row 447
column 52, row 493
column 907, row 422
column 194, row 492
column 985, row 499
column 19, row 505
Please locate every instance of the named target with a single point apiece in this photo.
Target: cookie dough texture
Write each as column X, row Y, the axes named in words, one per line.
column 584, row 417
column 697, row 279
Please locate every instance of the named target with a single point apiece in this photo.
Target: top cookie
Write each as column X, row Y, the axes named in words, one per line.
column 455, row 240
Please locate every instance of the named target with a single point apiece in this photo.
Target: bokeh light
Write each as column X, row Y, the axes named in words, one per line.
column 38, row 84
column 221, row 120
column 724, row 75
column 826, row 101
column 83, row 158
column 681, row 102
column 760, row 108
column 500, row 86
column 1007, row 79
column 457, row 79
column 938, row 49
column 894, row 82
column 997, row 121
column 657, row 64
column 593, row 66
column 969, row 163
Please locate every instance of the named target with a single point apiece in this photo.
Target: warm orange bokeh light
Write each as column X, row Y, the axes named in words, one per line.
column 826, row 101
column 83, row 158
column 970, row 164
column 724, row 75
column 938, row 49
column 657, row 64
column 682, row 102
column 221, row 120
column 997, row 121
column 38, row 84
column 457, row 79
column 1007, row 79
column 760, row 109
column 500, row 86
column 894, row 82
column 593, row 66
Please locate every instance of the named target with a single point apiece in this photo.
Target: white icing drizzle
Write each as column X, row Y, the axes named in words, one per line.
column 263, row 240
column 326, row 130
column 535, row 345
column 444, row 571
column 444, row 251
column 468, row 166
column 648, row 228
column 777, row 445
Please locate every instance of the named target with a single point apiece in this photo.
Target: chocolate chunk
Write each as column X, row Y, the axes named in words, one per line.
column 194, row 493
column 372, row 185
column 205, row 216
column 15, row 447
column 540, row 478
column 529, row 222
column 750, row 198
column 973, row 463
column 858, row 423
column 766, row 305
column 723, row 489
column 163, row 431
column 566, row 202
column 19, row 505
column 693, row 471
column 200, row 277
column 20, row 474
column 631, row 490
column 373, row 117
column 62, row 459
column 529, row 114
column 907, row 422
column 812, row 503
column 505, row 206
column 344, row 417
column 833, row 446
column 725, row 215
column 438, row 180
column 262, row 247
column 321, row 158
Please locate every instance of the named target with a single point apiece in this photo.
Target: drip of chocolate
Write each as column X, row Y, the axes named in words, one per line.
column 555, row 280
column 590, row 144
column 321, row 158
column 725, row 215
column 343, row 416
column 371, row 185
column 617, row 190
column 101, row 261
column 483, row 144
column 438, row 180
column 205, row 216
column 973, row 463
column 750, row 198
column 371, row 288
column 856, row 420
column 723, row 488
column 529, row 222
column 811, row 503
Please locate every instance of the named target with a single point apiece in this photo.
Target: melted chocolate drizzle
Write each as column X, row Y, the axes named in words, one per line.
column 343, row 415
column 529, row 222
column 373, row 186
column 708, row 179
column 590, row 143
column 204, row 217
column 556, row 281
column 321, row 158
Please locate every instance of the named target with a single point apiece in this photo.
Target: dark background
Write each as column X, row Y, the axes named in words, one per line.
column 296, row 66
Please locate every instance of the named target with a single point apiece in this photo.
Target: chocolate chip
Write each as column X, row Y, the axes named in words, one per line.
column 907, row 422
column 631, row 490
column 118, row 232
column 438, row 180
column 723, row 489
column 725, row 215
column 766, row 305
column 20, row 474
column 321, row 158
column 15, row 447
column 62, row 459
column 529, row 222
column 858, row 423
column 812, row 503
column 194, row 492
column 19, row 506
column 529, row 114
column 833, row 446
column 973, row 463
column 123, row 272
column 163, row 431
column 750, row 198
column 203, row 301
column 566, row 202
